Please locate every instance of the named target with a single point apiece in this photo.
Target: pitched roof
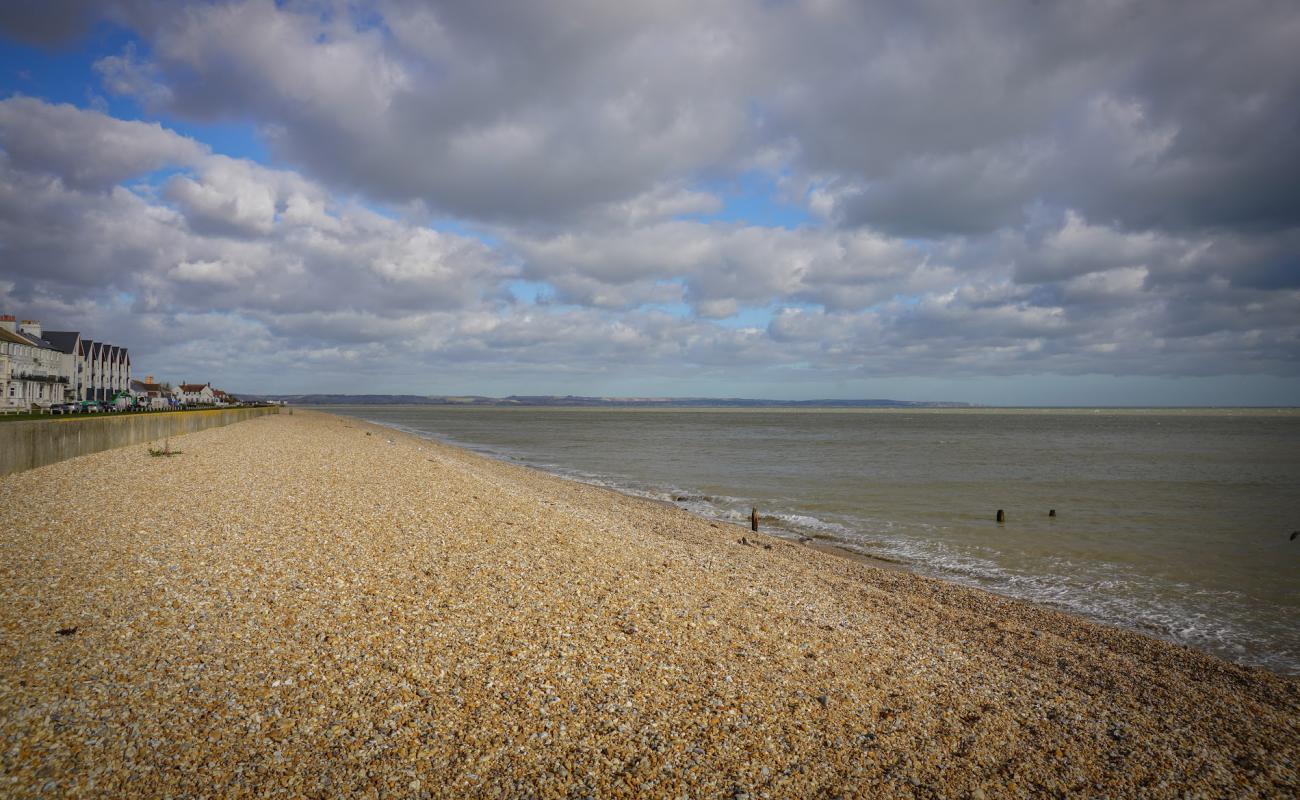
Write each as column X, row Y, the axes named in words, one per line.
column 7, row 335
column 35, row 341
column 193, row 387
column 63, row 341
column 22, row 338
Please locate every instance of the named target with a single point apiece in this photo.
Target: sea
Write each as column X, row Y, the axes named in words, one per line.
column 1174, row 522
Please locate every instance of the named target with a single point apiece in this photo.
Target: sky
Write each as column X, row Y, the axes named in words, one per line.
column 1014, row 203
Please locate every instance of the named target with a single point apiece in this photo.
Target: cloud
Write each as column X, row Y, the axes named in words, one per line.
column 223, row 236
column 125, row 74
column 991, row 189
column 239, row 197
column 88, row 149
column 926, row 121
column 722, row 265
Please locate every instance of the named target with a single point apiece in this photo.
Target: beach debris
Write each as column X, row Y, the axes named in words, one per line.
column 767, row 547
column 66, row 631
column 1002, row 515
column 824, row 700
column 165, row 450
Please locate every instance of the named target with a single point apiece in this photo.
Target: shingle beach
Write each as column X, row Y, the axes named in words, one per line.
column 310, row 606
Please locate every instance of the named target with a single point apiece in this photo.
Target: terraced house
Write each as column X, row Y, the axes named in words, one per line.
column 105, row 370
column 32, row 372
column 40, row 368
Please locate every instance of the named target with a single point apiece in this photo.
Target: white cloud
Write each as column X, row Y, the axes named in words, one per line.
column 125, row 74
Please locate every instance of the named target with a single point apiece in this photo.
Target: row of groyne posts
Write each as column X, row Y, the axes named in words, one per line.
column 1001, row 516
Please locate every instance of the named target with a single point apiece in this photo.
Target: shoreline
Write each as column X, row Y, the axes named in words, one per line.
column 319, row 605
column 813, row 543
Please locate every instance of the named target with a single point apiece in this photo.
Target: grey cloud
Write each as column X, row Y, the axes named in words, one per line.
column 931, row 119
column 1155, row 115
column 513, row 112
column 723, row 265
column 51, row 22
column 1102, row 187
column 87, row 149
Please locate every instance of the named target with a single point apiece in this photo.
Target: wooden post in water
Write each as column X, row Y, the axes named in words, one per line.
column 753, row 519
column 1002, row 516
column 1051, row 513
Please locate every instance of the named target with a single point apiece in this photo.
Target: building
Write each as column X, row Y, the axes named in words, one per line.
column 105, row 370
column 32, row 371
column 70, row 367
column 196, row 394
column 151, row 394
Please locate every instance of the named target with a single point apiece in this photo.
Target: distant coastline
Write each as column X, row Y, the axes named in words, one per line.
column 577, row 401
column 580, row 401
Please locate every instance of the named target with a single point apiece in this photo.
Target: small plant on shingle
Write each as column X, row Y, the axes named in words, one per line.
column 165, row 450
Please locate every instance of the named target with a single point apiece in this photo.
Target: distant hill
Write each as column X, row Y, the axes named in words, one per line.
column 590, row 402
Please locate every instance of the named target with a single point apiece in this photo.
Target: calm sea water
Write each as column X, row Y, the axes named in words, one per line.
column 1173, row 522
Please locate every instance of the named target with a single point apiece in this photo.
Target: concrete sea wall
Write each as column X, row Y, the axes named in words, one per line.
column 27, row 445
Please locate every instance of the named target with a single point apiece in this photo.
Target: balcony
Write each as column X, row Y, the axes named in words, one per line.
column 39, row 377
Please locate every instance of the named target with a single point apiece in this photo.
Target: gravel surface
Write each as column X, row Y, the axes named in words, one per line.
column 309, row 606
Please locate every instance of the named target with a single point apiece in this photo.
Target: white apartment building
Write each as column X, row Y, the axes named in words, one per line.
column 57, row 366
column 32, row 373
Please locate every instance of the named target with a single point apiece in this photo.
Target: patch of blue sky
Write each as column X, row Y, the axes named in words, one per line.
column 752, row 198
column 531, row 292
column 460, row 228
column 748, row 318
column 68, row 75
column 147, row 185
column 62, row 74
column 228, row 138
column 679, row 310
column 905, row 300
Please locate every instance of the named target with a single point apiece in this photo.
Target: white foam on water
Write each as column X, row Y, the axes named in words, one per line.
column 1216, row 621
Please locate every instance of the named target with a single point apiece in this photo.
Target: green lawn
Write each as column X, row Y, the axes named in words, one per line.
column 83, row 415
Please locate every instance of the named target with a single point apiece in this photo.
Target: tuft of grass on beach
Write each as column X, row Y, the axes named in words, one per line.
column 165, row 450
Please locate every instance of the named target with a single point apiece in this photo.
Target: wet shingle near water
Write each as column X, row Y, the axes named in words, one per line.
column 311, row 606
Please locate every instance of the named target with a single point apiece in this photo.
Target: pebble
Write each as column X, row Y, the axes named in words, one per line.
column 292, row 611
